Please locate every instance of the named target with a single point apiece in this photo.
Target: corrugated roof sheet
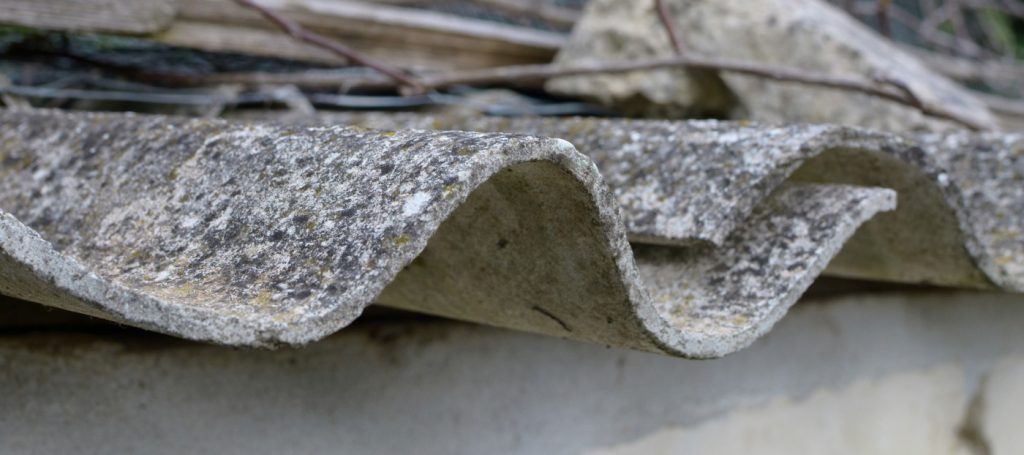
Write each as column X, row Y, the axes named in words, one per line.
column 960, row 220
column 261, row 234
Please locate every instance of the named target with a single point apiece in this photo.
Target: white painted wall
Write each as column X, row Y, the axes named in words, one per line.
column 923, row 373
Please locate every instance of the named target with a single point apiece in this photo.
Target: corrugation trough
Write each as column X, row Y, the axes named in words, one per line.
column 260, row 234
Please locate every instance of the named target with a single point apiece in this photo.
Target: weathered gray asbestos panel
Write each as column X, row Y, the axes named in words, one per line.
column 261, row 234
column 961, row 210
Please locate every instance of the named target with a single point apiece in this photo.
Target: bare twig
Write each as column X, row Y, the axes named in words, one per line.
column 1005, row 106
column 340, row 79
column 898, row 84
column 956, row 17
column 544, row 11
column 292, row 97
column 884, row 26
column 1003, row 76
column 926, row 29
column 511, row 74
column 519, row 74
column 175, row 98
column 10, row 100
column 905, row 94
column 670, row 28
column 959, row 41
column 1013, row 7
column 221, row 96
column 296, row 31
column 220, row 99
column 894, row 14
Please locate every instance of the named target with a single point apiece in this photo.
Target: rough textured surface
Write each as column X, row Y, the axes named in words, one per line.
column 868, row 374
column 808, row 34
column 960, row 215
column 994, row 411
column 116, row 16
column 259, row 234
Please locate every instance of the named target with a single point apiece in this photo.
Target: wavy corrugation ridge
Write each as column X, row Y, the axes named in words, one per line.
column 960, row 220
column 266, row 235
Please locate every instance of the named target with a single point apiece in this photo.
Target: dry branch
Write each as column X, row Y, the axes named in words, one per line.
column 521, row 74
column 996, row 73
column 551, row 14
column 883, row 18
column 1003, row 106
column 296, row 31
column 403, row 37
column 670, row 28
column 781, row 74
column 888, row 89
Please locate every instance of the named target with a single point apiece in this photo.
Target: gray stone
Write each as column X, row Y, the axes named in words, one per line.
column 805, row 34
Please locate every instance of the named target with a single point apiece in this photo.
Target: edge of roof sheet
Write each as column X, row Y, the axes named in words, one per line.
column 90, row 179
column 447, row 231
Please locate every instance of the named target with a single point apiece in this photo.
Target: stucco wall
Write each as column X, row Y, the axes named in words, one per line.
column 913, row 373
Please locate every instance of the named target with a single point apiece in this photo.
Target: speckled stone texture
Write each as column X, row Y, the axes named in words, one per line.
column 806, row 34
column 256, row 234
column 960, row 215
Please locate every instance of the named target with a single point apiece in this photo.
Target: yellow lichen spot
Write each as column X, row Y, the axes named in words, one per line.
column 185, row 290
column 450, row 190
column 173, row 175
column 387, row 133
column 739, row 319
column 1004, row 233
column 284, row 316
column 25, row 162
column 465, row 151
column 744, row 123
column 1004, row 260
column 263, row 299
column 401, row 240
column 310, row 225
column 136, row 255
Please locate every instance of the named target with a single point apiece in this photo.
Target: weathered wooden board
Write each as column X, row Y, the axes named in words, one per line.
column 401, row 36
column 113, row 16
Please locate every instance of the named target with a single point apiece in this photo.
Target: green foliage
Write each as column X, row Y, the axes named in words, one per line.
column 10, row 35
column 990, row 28
column 1001, row 33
